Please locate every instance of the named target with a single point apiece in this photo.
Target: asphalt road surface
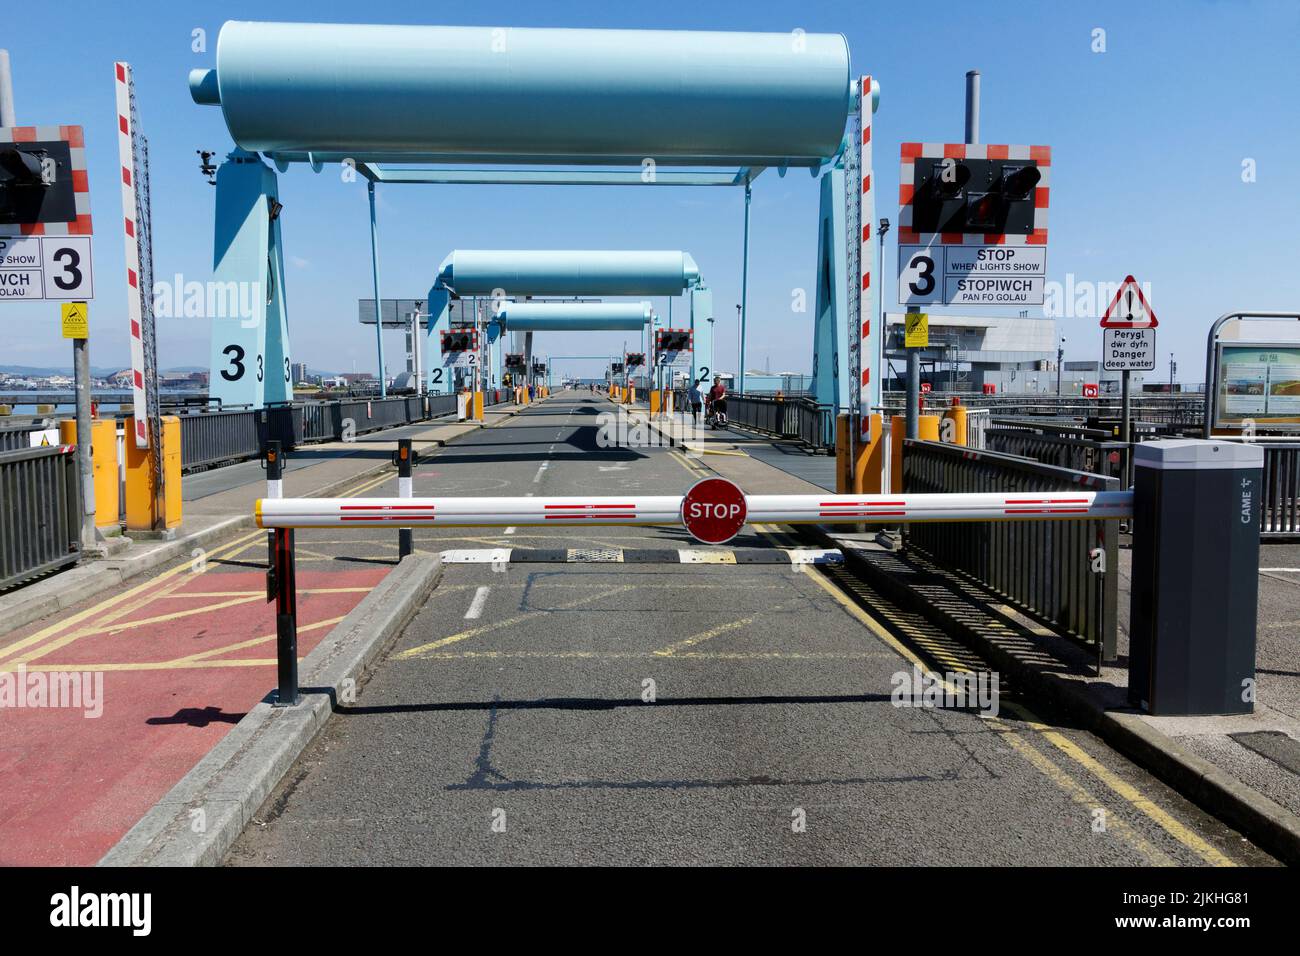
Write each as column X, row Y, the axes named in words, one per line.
column 678, row 714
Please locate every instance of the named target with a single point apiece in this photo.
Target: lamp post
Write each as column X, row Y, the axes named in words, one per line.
column 1060, row 361
column 740, row 345
column 884, row 228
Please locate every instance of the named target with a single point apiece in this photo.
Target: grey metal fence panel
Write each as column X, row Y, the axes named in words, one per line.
column 1281, row 490
column 17, row 435
column 798, row 418
column 210, row 438
column 40, row 512
column 1043, row 568
column 1079, row 454
column 319, row 423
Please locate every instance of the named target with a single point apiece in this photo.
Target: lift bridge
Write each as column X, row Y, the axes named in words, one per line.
column 471, row 105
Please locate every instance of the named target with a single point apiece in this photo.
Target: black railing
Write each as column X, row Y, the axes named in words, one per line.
column 214, row 438
column 1044, row 569
column 17, row 435
column 1281, row 490
column 210, row 438
column 40, row 512
column 798, row 418
column 1107, row 458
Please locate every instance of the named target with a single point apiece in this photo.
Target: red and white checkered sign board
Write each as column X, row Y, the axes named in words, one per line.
column 76, row 141
column 911, row 152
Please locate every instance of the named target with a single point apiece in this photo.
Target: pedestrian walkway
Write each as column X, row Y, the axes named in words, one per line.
column 115, row 697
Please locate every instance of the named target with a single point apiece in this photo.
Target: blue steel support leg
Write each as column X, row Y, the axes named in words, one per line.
column 438, row 377
column 250, row 338
column 830, row 322
column 744, row 297
column 702, row 333
column 379, row 311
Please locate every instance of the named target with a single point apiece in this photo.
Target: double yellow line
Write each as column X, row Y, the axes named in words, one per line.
column 1079, row 794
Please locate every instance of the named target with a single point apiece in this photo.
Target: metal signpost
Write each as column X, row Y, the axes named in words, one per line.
column 45, row 253
column 1129, row 344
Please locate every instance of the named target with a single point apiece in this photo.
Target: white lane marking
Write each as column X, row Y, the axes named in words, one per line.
column 510, row 530
column 540, row 471
column 476, row 605
column 1283, row 570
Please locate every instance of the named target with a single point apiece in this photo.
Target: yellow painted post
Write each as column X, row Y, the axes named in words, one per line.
column 927, row 429
column 869, row 476
column 141, row 501
column 955, row 433
column 103, row 465
column 654, row 401
column 478, row 406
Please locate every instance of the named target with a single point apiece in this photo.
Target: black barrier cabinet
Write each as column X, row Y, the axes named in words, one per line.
column 1197, row 507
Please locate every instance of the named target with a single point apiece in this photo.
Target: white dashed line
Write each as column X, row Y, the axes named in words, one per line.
column 476, row 605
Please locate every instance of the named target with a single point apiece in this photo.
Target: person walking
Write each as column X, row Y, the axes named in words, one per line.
column 695, row 400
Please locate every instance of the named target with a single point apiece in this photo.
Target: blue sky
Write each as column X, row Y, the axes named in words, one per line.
column 1148, row 143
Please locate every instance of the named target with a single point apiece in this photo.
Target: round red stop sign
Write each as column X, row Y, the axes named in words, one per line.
column 714, row 510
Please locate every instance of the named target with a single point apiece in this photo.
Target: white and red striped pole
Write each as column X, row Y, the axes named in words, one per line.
column 666, row 510
column 126, row 152
column 866, row 353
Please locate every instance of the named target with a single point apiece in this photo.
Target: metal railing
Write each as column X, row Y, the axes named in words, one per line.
column 1043, row 568
column 40, row 512
column 211, row 438
column 1107, row 458
column 1281, row 514
column 798, row 418
column 17, row 435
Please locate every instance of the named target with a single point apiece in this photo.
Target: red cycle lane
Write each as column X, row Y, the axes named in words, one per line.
column 103, row 710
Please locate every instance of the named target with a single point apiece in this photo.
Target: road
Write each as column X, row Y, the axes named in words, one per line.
column 632, row 713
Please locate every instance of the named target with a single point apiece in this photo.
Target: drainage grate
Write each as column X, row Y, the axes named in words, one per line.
column 595, row 555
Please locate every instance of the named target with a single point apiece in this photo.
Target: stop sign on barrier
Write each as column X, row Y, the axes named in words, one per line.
column 714, row 510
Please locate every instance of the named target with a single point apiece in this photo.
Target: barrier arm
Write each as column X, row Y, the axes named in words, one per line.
column 666, row 509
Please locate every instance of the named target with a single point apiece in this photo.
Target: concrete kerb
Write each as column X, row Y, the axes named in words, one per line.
column 1268, row 824
column 198, row 820
column 60, row 591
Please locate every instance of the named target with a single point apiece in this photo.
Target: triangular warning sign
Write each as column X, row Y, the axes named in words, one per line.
column 45, row 441
column 1129, row 309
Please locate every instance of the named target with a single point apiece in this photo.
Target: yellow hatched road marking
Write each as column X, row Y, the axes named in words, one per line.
column 415, row 652
column 35, row 639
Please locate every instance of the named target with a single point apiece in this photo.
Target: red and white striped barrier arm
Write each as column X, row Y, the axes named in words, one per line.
column 134, row 312
column 666, row 510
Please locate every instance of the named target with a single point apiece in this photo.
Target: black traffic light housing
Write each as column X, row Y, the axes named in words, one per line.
column 673, row 340
column 616, row 368
column 974, row 196
column 514, row 360
column 635, row 359
column 539, row 368
column 459, row 340
column 36, row 183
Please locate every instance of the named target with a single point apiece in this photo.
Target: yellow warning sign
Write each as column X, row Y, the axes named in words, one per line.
column 916, row 332
column 76, row 320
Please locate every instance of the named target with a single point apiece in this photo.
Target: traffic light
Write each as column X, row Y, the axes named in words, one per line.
column 36, row 183
column 459, row 340
column 974, row 196
column 635, row 359
column 514, row 360
column 539, row 368
column 673, row 340
column 616, row 368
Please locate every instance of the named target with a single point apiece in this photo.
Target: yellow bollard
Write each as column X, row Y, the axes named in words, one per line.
column 103, row 465
column 927, row 429
column 141, row 502
column 654, row 401
column 953, row 429
column 478, row 406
